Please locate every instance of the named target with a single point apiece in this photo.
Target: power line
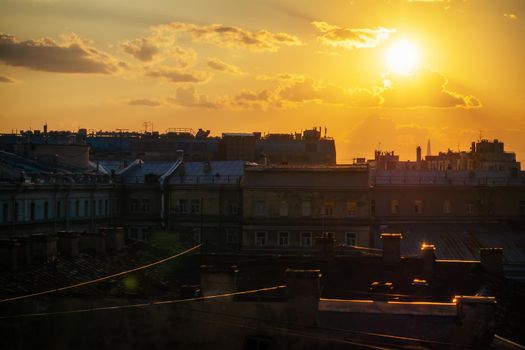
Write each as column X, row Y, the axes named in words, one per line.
column 153, row 303
column 101, row 278
column 225, row 295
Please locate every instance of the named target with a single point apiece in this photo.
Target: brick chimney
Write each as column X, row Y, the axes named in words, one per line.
column 428, row 259
column 492, row 260
column 324, row 246
column 302, row 295
column 216, row 280
column 391, row 247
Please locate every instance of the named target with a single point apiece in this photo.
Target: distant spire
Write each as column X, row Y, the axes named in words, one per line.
column 429, row 152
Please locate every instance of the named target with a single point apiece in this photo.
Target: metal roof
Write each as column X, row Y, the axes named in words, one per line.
column 462, row 241
column 219, row 172
column 136, row 172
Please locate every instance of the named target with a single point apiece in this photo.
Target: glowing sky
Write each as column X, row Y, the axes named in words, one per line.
column 280, row 66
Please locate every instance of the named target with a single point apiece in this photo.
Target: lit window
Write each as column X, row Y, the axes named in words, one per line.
column 328, row 208
column 351, row 238
column 351, row 209
column 260, row 238
column 306, row 239
column 284, row 239
column 394, row 206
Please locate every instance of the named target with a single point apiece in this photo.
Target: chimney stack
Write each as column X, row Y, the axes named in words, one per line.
column 418, row 154
column 391, row 247
column 302, row 294
column 428, row 258
column 492, row 260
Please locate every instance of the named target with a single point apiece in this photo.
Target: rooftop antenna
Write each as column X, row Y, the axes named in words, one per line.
column 429, row 151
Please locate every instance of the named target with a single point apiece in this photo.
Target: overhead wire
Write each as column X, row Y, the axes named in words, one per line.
column 81, row 284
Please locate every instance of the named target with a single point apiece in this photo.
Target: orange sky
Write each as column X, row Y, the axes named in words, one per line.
column 279, row 66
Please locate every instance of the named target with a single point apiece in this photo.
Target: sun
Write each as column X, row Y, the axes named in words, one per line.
column 403, row 57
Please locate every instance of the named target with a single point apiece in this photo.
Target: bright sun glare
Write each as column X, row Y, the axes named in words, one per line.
column 403, row 57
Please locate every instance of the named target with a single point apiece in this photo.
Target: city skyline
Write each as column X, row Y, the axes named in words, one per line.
column 266, row 66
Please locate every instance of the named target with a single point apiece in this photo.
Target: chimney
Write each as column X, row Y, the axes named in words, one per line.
column 418, row 154
column 216, row 280
column 324, row 246
column 391, row 247
column 428, row 259
column 478, row 320
column 492, row 260
column 302, row 295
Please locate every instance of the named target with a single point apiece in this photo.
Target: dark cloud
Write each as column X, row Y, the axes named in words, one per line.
column 144, row 102
column 177, row 76
column 351, row 38
column 4, row 79
column 231, row 36
column 73, row 55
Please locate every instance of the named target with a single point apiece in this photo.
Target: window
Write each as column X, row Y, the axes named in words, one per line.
column 5, row 212
column 351, row 238
column 253, row 342
column 182, row 206
column 446, row 207
column 231, row 236
column 260, row 208
column 59, row 210
column 134, row 205
column 145, row 205
column 77, row 208
column 328, row 209
column 306, row 239
column 394, row 206
column 197, row 235
column 234, row 208
column 283, row 209
column 99, row 209
column 86, row 208
column 283, row 239
column 133, row 233
column 351, row 209
column 32, row 208
column 46, row 210
column 195, row 206
column 418, row 206
column 470, row 208
column 106, row 207
column 260, row 238
column 306, row 209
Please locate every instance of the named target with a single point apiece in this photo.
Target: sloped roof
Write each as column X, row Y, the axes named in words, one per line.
column 220, row 172
column 136, row 172
column 462, row 241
